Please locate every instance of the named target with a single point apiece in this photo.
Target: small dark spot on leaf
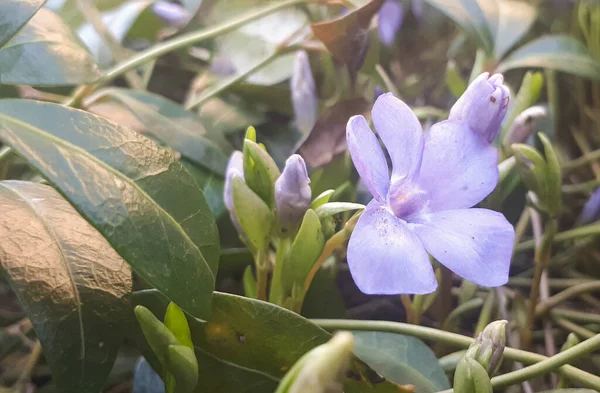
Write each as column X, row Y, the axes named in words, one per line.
column 241, row 338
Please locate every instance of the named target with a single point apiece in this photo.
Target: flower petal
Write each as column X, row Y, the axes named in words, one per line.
column 476, row 244
column 390, row 17
column 401, row 134
column 368, row 157
column 459, row 167
column 386, row 258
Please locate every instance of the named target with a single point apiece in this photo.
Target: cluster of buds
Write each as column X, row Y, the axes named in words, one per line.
column 482, row 359
column 276, row 219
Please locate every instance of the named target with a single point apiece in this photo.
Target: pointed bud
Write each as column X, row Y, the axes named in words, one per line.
column 390, row 18
column 304, row 96
column 483, row 105
column 492, row 342
column 523, row 126
column 235, row 167
column 591, row 209
column 172, row 14
column 322, row 369
column 471, row 377
column 292, row 193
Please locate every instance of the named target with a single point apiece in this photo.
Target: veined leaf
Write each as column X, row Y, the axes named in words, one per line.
column 262, row 339
column 39, row 49
column 73, row 286
column 133, row 191
column 515, row 20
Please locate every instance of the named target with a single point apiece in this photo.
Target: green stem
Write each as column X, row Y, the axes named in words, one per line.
column 587, row 230
column 469, row 305
column 192, row 38
column 584, row 187
column 573, row 327
column 589, row 380
column 560, row 297
column 262, row 274
column 578, row 316
column 556, row 283
column 581, row 161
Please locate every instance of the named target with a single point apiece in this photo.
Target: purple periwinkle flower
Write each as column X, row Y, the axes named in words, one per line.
column 235, row 167
column 591, row 209
column 292, row 193
column 424, row 205
column 524, row 123
column 483, row 105
column 172, row 14
column 390, row 18
column 304, row 94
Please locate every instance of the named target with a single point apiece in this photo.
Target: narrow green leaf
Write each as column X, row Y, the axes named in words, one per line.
column 331, row 208
column 515, row 20
column 303, row 254
column 72, row 285
column 321, row 199
column 468, row 15
column 555, row 52
column 402, row 359
column 43, row 52
column 253, row 214
column 553, row 176
column 250, row 285
column 260, row 171
column 262, row 339
column 158, row 336
column 159, row 223
column 176, row 322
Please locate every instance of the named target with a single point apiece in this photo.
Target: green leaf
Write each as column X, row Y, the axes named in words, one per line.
column 553, row 176
column 260, row 339
column 171, row 124
column 44, row 51
column 146, row 204
column 182, row 363
column 555, row 52
column 253, row 214
column 321, row 199
column 224, row 117
column 401, row 359
column 331, row 208
column 248, row 45
column 211, row 184
column 323, row 299
column 303, row 254
column 14, row 14
column 515, row 20
column 468, row 15
column 158, row 336
column 176, row 322
column 250, row 285
column 72, row 285
column 260, row 171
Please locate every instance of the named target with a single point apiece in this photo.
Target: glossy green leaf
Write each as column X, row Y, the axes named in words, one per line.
column 323, row 299
column 176, row 322
column 44, row 51
column 553, row 176
column 253, row 214
column 171, row 124
column 248, row 342
column 555, row 52
column 321, row 199
column 158, row 336
column 72, row 285
column 226, row 117
column 13, row 16
column 402, row 359
column 260, row 171
column 250, row 285
column 469, row 15
column 133, row 191
column 303, row 254
column 514, row 21
column 211, row 184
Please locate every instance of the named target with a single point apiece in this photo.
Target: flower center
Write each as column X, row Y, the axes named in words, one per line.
column 406, row 200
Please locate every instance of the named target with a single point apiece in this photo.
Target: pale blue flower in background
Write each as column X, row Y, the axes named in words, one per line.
column 304, row 94
column 235, row 167
column 425, row 204
column 591, row 209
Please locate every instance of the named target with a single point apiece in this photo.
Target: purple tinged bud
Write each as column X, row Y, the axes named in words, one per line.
column 591, row 209
column 304, row 96
column 390, row 18
column 483, row 105
column 378, row 91
column 292, row 193
column 172, row 14
column 417, row 8
column 523, row 126
column 235, row 167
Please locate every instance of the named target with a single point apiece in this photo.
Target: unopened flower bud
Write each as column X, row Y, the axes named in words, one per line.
column 292, row 193
column 471, row 377
column 523, row 126
column 591, row 209
column 172, row 14
column 483, row 105
column 489, row 346
column 321, row 370
column 390, row 18
column 304, row 96
column 235, row 167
